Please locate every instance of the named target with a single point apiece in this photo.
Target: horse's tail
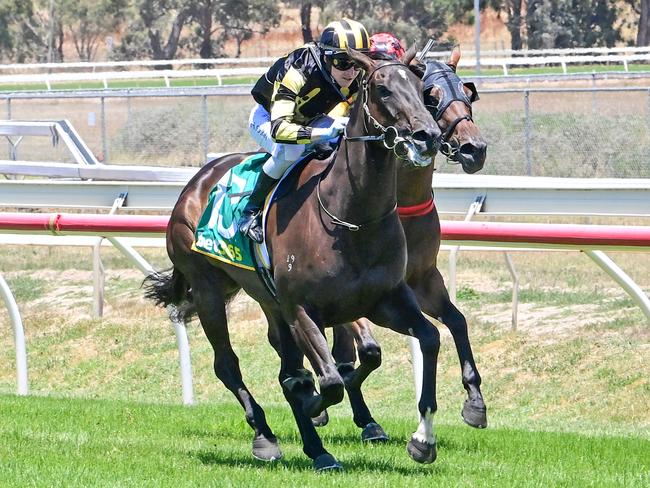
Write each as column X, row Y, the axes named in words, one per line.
column 170, row 287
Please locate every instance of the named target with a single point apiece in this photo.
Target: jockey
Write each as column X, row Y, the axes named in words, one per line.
column 302, row 100
column 386, row 43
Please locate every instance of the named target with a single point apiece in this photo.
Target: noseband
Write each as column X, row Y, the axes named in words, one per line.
column 444, row 77
column 389, row 135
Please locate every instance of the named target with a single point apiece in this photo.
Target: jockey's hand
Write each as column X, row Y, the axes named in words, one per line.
column 326, row 133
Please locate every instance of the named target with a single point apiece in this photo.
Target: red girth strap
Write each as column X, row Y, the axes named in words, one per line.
column 417, row 210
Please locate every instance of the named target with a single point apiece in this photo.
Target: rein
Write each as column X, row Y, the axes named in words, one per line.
column 379, row 137
column 396, row 139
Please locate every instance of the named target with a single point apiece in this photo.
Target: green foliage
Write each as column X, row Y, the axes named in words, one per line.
column 89, row 21
column 410, row 20
column 571, row 23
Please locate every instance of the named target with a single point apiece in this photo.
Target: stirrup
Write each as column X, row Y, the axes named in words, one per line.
column 251, row 225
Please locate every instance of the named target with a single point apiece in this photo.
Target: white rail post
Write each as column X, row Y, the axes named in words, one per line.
column 182, row 342
column 473, row 209
column 22, row 387
column 515, row 289
column 612, row 269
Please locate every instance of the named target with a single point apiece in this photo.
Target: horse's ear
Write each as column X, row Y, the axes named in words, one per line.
column 454, row 57
column 360, row 59
column 473, row 95
column 408, row 56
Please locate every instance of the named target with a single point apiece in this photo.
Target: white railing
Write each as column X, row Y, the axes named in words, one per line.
column 505, row 60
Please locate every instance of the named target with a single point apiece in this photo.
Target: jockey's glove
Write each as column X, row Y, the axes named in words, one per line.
column 326, row 133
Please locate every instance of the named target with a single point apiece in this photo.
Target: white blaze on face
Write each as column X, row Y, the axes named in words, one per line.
column 402, row 73
column 425, row 431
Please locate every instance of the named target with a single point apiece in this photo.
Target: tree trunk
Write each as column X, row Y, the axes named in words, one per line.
column 206, row 35
column 305, row 22
column 514, row 23
column 643, row 35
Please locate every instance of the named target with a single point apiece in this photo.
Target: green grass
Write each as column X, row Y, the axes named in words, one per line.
column 567, row 393
column 49, row 441
column 118, row 84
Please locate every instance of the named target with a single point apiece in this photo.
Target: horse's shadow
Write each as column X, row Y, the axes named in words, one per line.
column 369, row 460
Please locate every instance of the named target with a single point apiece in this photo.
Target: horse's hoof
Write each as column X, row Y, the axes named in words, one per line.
column 321, row 420
column 373, row 433
column 266, row 449
column 326, row 462
column 421, row 452
column 474, row 415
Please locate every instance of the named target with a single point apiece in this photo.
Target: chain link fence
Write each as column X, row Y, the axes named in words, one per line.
column 596, row 132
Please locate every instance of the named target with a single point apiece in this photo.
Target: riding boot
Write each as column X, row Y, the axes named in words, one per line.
column 250, row 223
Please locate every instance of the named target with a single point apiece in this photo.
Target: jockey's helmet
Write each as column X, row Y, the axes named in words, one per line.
column 338, row 36
column 384, row 42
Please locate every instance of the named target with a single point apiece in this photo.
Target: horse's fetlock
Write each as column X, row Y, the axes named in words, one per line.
column 332, row 392
column 370, row 356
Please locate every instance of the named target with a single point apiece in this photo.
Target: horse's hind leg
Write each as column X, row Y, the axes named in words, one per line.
column 369, row 352
column 311, row 340
column 434, row 300
column 298, row 387
column 209, row 293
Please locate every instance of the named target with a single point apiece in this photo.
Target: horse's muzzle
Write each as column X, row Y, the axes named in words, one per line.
column 427, row 141
column 471, row 156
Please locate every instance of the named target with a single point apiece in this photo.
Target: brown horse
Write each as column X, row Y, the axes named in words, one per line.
column 340, row 234
column 450, row 101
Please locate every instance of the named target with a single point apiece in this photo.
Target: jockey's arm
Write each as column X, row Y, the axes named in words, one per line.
column 283, row 106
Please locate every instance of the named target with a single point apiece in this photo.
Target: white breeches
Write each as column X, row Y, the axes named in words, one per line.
column 282, row 155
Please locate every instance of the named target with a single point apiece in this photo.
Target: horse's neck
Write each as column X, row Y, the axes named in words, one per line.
column 414, row 185
column 362, row 182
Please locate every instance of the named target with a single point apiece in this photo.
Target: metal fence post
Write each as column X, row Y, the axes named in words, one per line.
column 647, row 118
column 9, row 118
column 527, row 131
column 206, row 129
column 104, row 138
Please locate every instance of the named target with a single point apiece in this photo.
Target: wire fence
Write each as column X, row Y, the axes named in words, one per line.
column 591, row 132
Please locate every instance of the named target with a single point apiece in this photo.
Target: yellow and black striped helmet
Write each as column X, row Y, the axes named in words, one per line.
column 341, row 34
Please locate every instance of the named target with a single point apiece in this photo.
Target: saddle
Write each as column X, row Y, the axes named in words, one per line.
column 217, row 235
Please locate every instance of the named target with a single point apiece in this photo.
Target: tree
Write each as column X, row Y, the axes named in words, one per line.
column 30, row 30
column 88, row 21
column 571, row 23
column 219, row 20
column 410, row 20
column 154, row 30
column 642, row 9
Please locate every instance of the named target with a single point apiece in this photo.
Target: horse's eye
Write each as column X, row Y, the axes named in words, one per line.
column 383, row 92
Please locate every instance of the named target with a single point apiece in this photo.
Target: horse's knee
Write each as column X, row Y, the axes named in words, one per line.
column 370, row 356
column 430, row 342
column 300, row 383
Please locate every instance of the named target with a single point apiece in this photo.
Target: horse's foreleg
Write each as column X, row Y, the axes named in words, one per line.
column 211, row 309
column 433, row 298
column 369, row 351
column 311, row 340
column 298, row 388
column 400, row 311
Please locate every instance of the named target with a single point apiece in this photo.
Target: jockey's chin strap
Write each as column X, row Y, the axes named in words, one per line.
column 392, row 143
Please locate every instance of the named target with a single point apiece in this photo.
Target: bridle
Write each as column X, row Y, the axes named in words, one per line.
column 452, row 92
column 388, row 135
column 392, row 145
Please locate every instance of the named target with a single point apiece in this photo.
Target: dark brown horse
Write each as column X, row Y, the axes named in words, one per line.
column 450, row 101
column 339, row 231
